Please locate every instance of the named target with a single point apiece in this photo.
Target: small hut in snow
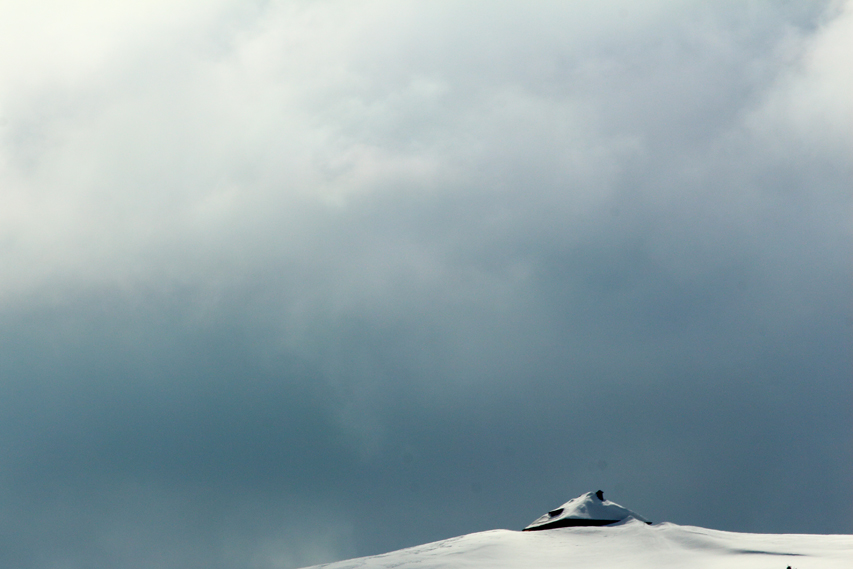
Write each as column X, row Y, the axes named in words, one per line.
column 590, row 509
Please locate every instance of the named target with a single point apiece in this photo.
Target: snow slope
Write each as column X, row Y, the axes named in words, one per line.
column 630, row 543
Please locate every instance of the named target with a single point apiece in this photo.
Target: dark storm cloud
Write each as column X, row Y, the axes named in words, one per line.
column 291, row 282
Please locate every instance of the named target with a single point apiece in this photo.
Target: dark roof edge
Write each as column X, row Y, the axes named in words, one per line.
column 573, row 522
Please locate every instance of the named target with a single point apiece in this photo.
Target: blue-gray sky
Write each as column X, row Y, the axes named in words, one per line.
column 289, row 282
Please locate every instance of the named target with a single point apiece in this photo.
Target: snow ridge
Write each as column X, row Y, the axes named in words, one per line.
column 629, row 544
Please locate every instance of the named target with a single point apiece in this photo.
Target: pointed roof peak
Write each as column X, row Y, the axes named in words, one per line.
column 590, row 509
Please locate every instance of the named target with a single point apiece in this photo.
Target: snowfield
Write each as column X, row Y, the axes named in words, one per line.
column 630, row 543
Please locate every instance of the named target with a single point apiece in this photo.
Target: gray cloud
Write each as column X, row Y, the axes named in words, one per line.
column 291, row 282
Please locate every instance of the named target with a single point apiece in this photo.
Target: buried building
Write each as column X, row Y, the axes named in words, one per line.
column 590, row 509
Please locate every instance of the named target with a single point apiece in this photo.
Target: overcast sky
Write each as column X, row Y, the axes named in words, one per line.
column 290, row 282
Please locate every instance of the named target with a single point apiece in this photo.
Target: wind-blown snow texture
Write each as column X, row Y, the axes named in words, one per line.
column 628, row 544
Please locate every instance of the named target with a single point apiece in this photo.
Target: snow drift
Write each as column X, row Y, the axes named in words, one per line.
column 627, row 544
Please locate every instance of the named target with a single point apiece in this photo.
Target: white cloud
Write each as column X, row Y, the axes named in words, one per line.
column 173, row 142
column 809, row 112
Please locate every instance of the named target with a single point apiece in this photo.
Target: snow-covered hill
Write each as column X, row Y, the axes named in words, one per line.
column 630, row 543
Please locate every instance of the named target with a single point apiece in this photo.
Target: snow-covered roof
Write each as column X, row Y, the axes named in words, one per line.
column 590, row 509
